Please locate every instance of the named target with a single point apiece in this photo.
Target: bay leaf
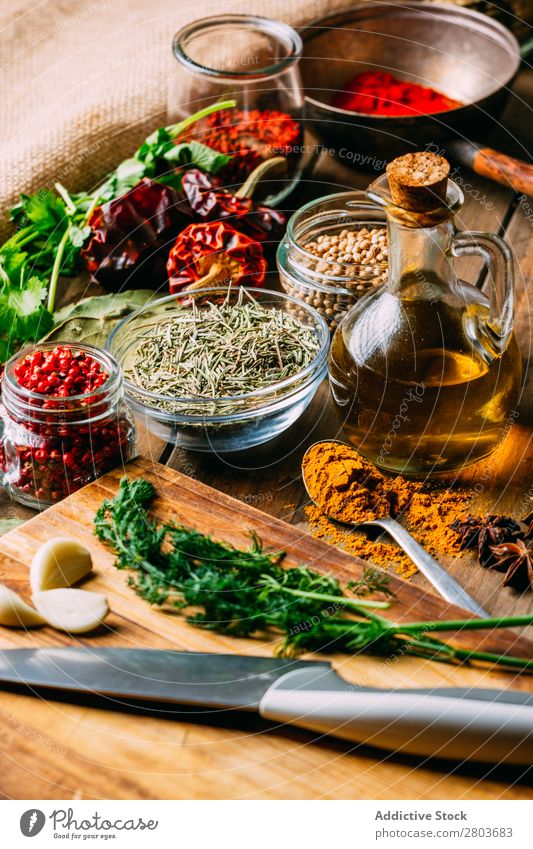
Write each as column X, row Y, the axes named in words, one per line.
column 91, row 320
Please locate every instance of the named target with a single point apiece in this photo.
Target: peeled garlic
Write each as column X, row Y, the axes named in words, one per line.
column 74, row 611
column 60, row 562
column 15, row 612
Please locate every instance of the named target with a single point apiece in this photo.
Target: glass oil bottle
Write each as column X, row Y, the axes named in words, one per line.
column 425, row 371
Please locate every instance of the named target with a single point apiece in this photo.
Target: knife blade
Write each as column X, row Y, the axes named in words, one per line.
column 219, row 681
column 486, row 725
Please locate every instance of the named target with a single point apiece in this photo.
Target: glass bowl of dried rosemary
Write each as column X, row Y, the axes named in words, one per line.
column 221, row 369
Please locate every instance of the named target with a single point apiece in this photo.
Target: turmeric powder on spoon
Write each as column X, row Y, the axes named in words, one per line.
column 344, row 484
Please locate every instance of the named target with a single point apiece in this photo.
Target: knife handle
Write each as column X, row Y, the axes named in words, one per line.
column 417, row 723
column 507, row 170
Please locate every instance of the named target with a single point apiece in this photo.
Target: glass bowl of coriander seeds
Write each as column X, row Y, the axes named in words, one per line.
column 222, row 369
column 334, row 251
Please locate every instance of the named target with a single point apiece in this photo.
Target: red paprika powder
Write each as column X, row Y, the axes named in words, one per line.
column 380, row 93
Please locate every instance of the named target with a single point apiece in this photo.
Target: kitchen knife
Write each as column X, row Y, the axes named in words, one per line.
column 485, row 725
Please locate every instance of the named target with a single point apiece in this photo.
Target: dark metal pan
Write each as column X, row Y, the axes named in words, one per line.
column 464, row 54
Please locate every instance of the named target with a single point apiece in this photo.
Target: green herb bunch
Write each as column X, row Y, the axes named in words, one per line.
column 51, row 227
column 249, row 593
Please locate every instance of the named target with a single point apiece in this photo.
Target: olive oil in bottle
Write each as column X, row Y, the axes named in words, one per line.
column 425, row 372
column 429, row 409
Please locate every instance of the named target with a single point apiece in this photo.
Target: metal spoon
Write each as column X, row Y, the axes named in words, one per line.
column 447, row 586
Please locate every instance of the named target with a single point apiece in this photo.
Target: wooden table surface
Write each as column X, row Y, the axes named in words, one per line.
column 269, row 478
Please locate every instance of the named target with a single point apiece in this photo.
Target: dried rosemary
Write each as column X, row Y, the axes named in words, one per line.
column 221, row 350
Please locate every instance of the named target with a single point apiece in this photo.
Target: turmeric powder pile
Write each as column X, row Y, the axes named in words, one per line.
column 346, row 486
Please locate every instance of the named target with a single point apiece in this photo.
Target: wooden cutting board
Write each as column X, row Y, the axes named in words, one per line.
column 57, row 750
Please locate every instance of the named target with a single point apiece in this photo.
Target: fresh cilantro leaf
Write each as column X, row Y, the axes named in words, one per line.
column 78, row 235
column 155, row 144
column 197, row 154
column 23, row 317
column 12, row 261
column 47, row 213
column 27, row 300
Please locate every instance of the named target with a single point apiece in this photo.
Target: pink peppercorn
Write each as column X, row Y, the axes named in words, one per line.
column 65, row 421
column 79, row 373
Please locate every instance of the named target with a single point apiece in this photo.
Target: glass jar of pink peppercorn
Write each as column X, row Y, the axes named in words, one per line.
column 65, row 421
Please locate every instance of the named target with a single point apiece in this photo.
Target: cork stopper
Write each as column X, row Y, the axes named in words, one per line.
column 418, row 181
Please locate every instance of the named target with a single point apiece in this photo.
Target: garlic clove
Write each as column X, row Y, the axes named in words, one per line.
column 58, row 563
column 15, row 613
column 71, row 610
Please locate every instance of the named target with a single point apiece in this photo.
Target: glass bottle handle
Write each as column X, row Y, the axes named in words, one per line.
column 497, row 255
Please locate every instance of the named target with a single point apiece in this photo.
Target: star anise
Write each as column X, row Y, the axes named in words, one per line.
column 516, row 560
column 528, row 520
column 485, row 534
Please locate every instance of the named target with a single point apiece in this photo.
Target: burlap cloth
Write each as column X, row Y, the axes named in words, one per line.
column 84, row 83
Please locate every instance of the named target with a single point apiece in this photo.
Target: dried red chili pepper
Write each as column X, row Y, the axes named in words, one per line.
column 209, row 202
column 248, row 136
column 130, row 235
column 213, row 254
